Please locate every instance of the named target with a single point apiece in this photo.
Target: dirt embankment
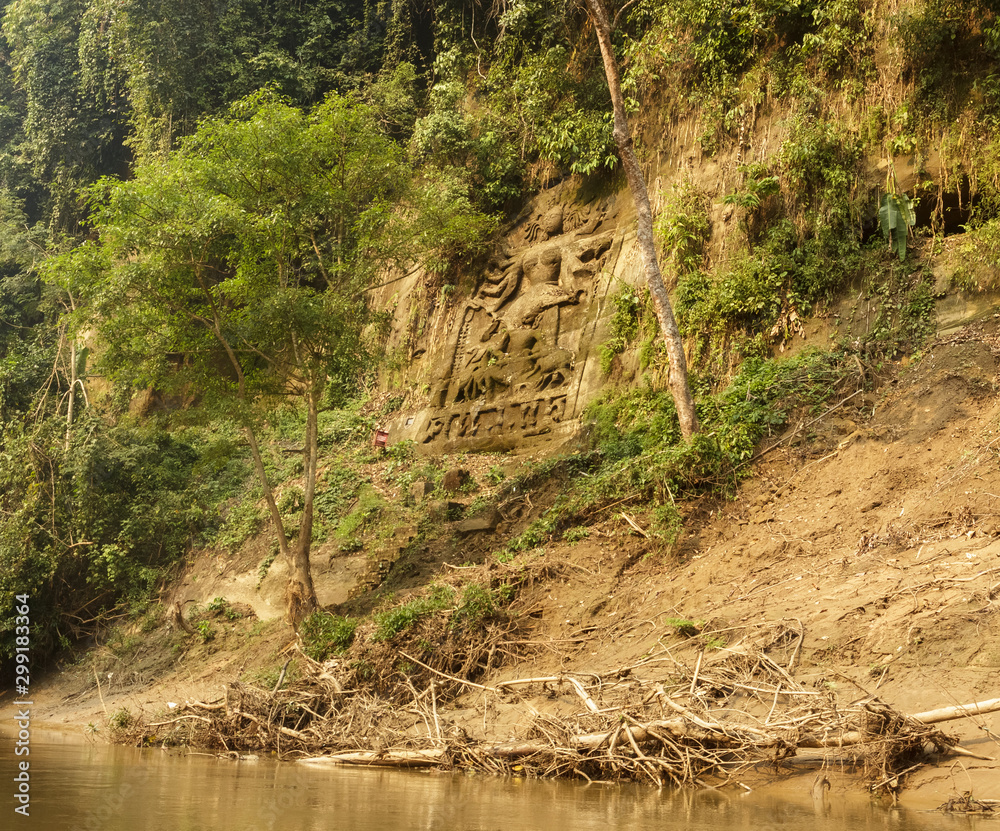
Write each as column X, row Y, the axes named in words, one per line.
column 874, row 532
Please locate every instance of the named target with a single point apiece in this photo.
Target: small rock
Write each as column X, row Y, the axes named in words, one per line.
column 421, row 490
column 486, row 521
column 455, row 479
column 443, row 510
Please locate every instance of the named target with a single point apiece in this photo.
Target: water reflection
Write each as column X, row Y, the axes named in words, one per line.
column 76, row 785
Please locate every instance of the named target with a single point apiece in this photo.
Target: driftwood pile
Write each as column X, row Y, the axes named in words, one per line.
column 662, row 720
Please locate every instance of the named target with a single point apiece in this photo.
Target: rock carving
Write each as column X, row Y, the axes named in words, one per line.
column 512, row 360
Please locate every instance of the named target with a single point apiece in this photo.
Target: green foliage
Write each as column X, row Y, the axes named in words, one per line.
column 684, row 627
column 364, row 510
column 337, row 489
column 478, row 604
column 392, row 97
column 624, row 326
column 978, row 253
column 73, row 123
column 481, row 144
column 266, row 563
column 721, row 38
column 470, row 608
column 684, row 228
column 445, row 133
column 219, row 607
column 169, row 64
column 902, row 313
column 253, row 244
column 821, row 167
column 121, row 719
column 758, row 184
column 391, row 622
column 324, row 634
column 237, row 267
column 92, row 524
column 242, row 520
column 205, row 631
column 747, row 296
column 943, row 43
column 560, row 96
column 496, row 475
column 342, row 425
column 841, row 42
column 895, row 218
column 667, row 524
column 789, row 264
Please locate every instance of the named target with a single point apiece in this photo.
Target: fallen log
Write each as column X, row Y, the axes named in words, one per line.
column 958, row 711
column 677, row 729
column 375, row 758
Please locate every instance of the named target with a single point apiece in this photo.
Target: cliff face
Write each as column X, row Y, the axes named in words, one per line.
column 509, row 360
column 788, row 184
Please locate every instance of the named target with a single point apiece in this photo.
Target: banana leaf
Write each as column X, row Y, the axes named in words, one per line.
column 895, row 218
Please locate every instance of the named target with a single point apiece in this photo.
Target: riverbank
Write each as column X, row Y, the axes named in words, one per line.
column 872, row 531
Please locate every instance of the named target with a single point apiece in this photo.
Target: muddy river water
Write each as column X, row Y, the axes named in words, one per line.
column 75, row 784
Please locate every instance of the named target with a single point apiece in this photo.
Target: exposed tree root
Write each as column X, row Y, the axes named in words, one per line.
column 658, row 721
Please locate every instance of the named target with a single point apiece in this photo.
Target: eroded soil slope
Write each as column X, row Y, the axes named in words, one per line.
column 873, row 531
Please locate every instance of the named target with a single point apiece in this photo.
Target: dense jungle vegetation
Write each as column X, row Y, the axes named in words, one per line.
column 195, row 199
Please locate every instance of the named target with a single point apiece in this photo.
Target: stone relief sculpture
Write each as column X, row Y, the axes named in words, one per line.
column 511, row 362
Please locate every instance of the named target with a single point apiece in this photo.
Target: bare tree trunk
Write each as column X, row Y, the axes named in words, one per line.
column 679, row 386
column 272, row 504
column 300, row 598
column 300, row 595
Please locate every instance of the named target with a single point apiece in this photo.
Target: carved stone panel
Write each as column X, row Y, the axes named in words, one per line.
column 510, row 368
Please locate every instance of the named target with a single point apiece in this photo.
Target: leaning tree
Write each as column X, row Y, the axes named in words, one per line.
column 679, row 386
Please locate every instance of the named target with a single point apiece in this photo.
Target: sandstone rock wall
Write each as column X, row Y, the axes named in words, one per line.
column 512, row 360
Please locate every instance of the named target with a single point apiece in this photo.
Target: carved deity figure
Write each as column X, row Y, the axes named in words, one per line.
column 511, row 362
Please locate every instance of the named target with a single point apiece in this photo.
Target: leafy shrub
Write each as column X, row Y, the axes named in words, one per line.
column 337, row 488
column 88, row 526
column 496, row 475
column 324, row 634
column 366, row 510
column 721, row 38
column 684, row 228
column 820, row 165
column 242, row 520
column 476, row 604
column 563, row 104
column 683, row 626
column 205, row 631
column 624, row 326
column 391, row 622
column 219, row 607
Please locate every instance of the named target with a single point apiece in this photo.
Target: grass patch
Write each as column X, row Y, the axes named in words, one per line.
column 324, row 634
column 391, row 622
